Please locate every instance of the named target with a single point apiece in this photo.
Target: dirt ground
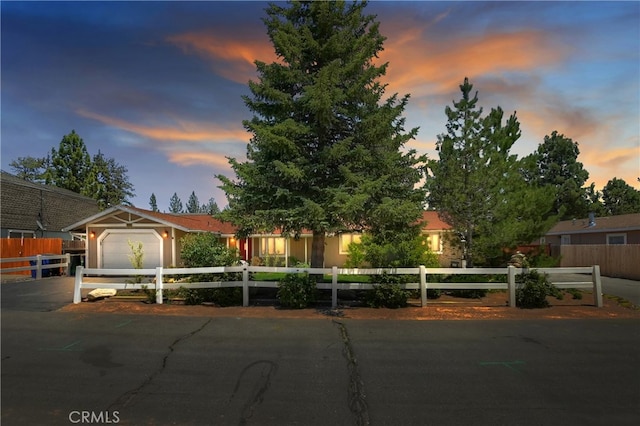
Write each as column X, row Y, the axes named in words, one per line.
column 491, row 307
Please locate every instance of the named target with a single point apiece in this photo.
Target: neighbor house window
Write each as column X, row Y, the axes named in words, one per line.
column 565, row 240
column 346, row 239
column 434, row 242
column 272, row 246
column 616, row 239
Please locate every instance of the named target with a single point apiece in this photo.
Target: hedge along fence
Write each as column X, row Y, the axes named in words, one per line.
column 83, row 279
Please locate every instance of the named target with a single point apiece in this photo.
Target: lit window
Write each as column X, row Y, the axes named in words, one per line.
column 346, row 239
column 434, row 241
column 272, row 246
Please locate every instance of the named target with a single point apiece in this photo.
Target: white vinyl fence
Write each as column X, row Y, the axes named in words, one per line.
column 158, row 279
column 38, row 263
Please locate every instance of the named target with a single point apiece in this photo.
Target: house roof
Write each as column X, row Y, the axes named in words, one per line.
column 34, row 206
column 185, row 222
column 624, row 222
column 434, row 222
column 205, row 223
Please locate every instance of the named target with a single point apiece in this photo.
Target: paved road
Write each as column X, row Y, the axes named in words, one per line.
column 135, row 369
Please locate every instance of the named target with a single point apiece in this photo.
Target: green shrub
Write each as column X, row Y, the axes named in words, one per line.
column 205, row 249
column 297, row 291
column 532, row 290
column 227, row 296
column 388, row 291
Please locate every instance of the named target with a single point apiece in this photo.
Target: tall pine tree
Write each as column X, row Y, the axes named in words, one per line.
column 175, row 204
column 477, row 185
column 70, row 164
column 326, row 153
column 193, row 205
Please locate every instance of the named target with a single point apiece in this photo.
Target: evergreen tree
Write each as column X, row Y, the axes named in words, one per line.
column 555, row 166
column 476, row 184
column 175, row 204
column 620, row 198
column 71, row 167
column 153, row 204
column 193, row 205
column 211, row 208
column 326, row 151
column 70, row 164
column 31, row 169
column 107, row 182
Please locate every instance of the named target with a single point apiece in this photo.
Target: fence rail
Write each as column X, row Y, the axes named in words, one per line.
column 39, row 263
column 83, row 279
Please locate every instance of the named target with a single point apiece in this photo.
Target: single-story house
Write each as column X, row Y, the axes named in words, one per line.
column 33, row 210
column 109, row 232
column 606, row 230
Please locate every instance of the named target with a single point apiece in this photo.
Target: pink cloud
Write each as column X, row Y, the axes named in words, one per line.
column 232, row 59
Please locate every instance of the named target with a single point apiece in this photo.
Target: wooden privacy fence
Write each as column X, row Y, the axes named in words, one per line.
column 38, row 266
column 17, row 252
column 83, row 279
column 622, row 261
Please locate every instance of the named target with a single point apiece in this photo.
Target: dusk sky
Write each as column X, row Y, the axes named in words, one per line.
column 158, row 85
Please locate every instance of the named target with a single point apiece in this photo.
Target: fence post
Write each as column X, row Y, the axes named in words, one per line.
column 245, row 286
column 77, row 294
column 38, row 267
column 159, row 285
column 68, row 261
column 597, row 285
column 334, row 287
column 511, row 285
column 423, row 286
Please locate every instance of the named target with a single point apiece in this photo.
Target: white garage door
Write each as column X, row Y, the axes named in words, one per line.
column 115, row 250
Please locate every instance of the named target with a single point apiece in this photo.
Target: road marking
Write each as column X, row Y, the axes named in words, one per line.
column 508, row 364
column 64, row 348
column 122, row 324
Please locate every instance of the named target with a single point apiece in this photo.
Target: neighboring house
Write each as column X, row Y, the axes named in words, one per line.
column 160, row 233
column 612, row 242
column 607, row 230
column 33, row 210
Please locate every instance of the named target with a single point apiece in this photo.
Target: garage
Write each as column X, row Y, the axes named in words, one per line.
column 114, row 250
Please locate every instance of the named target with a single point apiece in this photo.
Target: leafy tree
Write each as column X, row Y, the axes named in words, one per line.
column 620, row 198
column 555, row 166
column 70, row 164
column 326, row 151
column 593, row 200
column 153, row 203
column 107, row 182
column 211, row 208
column 30, row 168
column 175, row 204
column 476, row 184
column 193, row 205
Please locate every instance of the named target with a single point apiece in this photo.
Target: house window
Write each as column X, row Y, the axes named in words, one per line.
column 272, row 246
column 565, row 240
column 616, row 239
column 346, row 239
column 434, row 242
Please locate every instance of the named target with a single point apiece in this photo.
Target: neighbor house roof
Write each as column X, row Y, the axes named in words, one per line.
column 624, row 222
column 32, row 206
column 434, row 222
column 185, row 222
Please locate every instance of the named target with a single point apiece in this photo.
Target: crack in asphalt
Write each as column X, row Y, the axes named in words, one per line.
column 268, row 368
column 128, row 396
column 356, row 396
